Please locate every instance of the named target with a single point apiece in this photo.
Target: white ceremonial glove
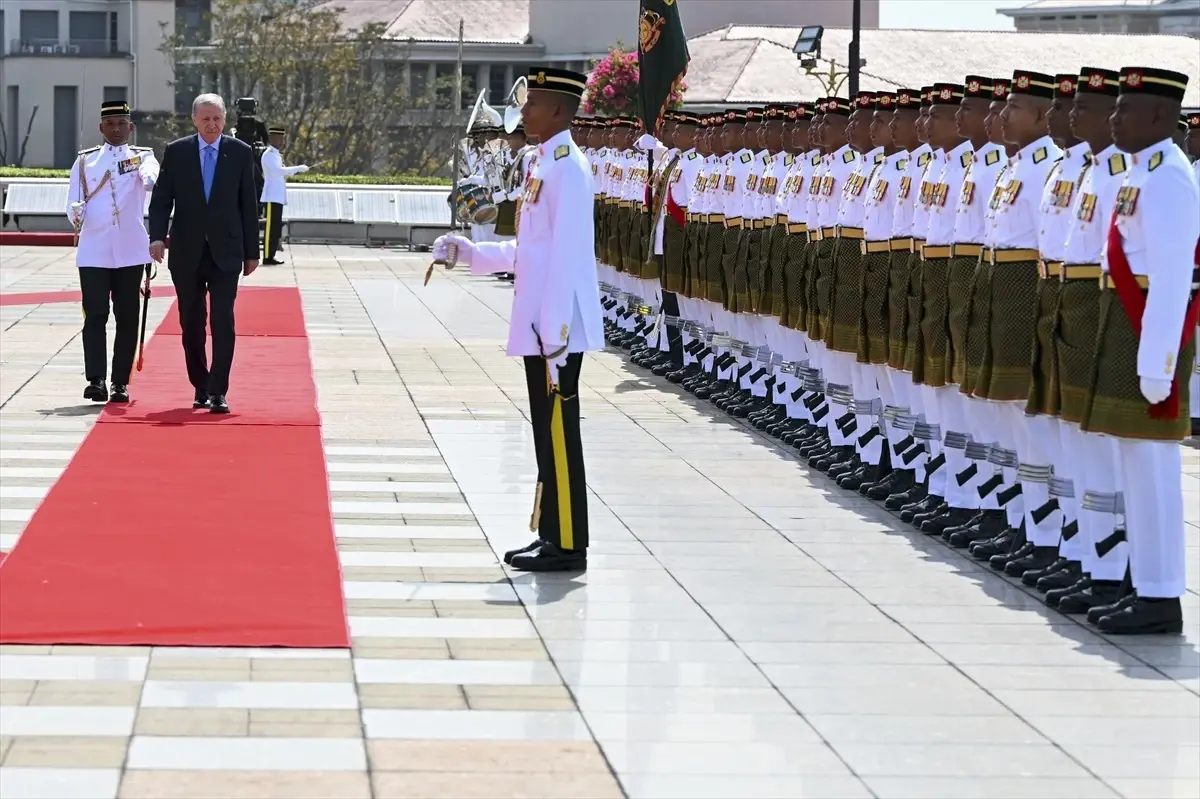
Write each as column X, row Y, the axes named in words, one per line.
column 441, row 249
column 556, row 365
column 1155, row 390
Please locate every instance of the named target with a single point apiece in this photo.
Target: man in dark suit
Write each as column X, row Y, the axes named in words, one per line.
column 208, row 179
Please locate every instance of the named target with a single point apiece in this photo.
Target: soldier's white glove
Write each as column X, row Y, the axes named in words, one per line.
column 556, row 365
column 441, row 248
column 1155, row 390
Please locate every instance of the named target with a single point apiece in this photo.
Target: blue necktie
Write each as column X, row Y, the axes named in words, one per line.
column 208, row 167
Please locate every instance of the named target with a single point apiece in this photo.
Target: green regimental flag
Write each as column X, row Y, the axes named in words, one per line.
column 662, row 58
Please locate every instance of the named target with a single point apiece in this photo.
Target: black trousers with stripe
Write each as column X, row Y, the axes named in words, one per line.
column 100, row 287
column 273, row 231
column 555, row 415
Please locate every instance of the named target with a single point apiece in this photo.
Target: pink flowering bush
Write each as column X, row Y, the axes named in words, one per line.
column 612, row 87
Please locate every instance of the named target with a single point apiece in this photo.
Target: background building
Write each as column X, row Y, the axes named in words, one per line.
column 64, row 57
column 1177, row 17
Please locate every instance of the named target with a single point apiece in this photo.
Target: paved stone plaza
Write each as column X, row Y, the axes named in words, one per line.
column 746, row 629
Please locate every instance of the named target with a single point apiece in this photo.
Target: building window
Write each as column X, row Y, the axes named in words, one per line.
column 497, row 86
column 116, row 94
column 39, row 29
column 88, row 32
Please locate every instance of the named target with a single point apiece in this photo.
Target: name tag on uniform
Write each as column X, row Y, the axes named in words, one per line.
column 905, row 188
column 1087, row 207
column 1127, row 199
column 1061, row 193
column 968, row 193
column 129, row 165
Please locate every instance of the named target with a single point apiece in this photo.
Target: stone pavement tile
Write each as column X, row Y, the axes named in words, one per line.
column 212, row 722
column 497, row 649
column 387, row 696
column 86, row 693
column 45, row 751
column 488, row 757
column 518, row 697
column 16, row 692
column 305, row 723
column 244, row 785
column 441, row 785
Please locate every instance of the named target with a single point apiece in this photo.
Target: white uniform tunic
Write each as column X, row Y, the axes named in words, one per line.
column 554, row 257
column 275, row 176
column 113, row 232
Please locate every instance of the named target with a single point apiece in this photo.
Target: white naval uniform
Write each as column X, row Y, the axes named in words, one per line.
column 1016, row 224
column 908, row 199
column 970, row 227
column 275, row 176
column 943, row 405
column 878, row 213
column 1094, row 456
column 554, row 257
column 1057, row 210
column 1159, row 236
column 113, row 232
column 836, row 366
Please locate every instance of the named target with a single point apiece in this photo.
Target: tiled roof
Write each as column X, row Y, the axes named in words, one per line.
column 485, row 21
column 746, row 64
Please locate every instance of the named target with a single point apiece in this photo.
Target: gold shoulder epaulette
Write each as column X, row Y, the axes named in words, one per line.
column 966, row 159
column 848, row 156
column 561, row 152
column 1040, row 155
column 923, row 159
column 90, row 150
column 1155, row 161
column 1117, row 164
column 747, row 158
column 991, row 157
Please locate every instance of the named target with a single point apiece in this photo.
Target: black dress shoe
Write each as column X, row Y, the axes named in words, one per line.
column 217, row 404
column 119, row 393
column 1066, row 577
column 512, row 553
column 1145, row 617
column 1032, row 576
column 1036, row 559
column 953, row 517
column 549, row 558
column 1098, row 612
column 200, row 400
column 96, row 391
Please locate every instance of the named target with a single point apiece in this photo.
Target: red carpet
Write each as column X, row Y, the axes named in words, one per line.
column 192, row 531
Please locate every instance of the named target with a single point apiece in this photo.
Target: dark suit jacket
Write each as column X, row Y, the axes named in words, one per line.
column 228, row 221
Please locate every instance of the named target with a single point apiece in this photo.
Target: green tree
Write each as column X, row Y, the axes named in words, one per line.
column 340, row 93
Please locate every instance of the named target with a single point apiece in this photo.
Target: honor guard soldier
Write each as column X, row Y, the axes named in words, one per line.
column 978, row 120
column 1092, row 575
column 1011, row 273
column 1145, row 346
column 1048, row 495
column 556, row 314
column 106, row 203
column 274, row 192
